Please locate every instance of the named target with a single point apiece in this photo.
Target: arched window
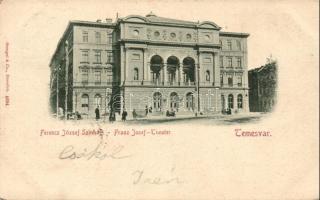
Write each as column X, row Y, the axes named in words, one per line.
column 207, row 75
column 85, row 102
column 239, row 100
column 97, row 100
column 230, row 101
column 190, row 101
column 136, row 74
column 157, row 101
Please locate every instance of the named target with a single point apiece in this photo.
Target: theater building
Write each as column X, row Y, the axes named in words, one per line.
column 155, row 62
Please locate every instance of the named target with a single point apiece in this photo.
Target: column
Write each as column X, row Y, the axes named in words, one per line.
column 145, row 67
column 181, row 74
column 177, row 74
column 165, row 74
column 126, row 66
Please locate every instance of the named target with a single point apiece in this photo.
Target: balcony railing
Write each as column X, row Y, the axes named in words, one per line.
column 93, row 83
column 160, row 83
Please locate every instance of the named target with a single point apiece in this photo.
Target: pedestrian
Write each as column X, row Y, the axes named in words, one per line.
column 124, row 115
column 97, row 113
column 150, row 109
column 110, row 116
column 147, row 110
column 134, row 114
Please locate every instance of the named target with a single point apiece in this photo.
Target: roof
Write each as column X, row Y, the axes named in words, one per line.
column 223, row 33
column 154, row 19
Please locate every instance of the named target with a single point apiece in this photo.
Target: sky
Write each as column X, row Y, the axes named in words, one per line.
column 41, row 23
column 289, row 30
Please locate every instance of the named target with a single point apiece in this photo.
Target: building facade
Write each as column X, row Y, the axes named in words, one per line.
column 263, row 88
column 155, row 62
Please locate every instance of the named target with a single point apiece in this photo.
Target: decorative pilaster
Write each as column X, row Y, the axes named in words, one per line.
column 216, row 70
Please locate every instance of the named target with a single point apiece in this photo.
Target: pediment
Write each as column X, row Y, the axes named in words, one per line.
column 135, row 18
column 207, row 24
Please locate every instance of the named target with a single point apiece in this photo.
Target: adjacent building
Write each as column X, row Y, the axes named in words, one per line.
column 263, row 88
column 154, row 62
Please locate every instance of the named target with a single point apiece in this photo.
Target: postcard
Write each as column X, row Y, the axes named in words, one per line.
column 188, row 99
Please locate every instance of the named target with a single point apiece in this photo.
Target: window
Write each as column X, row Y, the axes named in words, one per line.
column 84, row 76
column 85, row 56
column 239, row 100
column 207, row 75
column 230, row 81
column 229, row 44
column 136, row 74
column 97, row 100
column 229, row 59
column 239, row 77
column 85, row 36
column 238, row 45
column 109, row 76
column 239, row 63
column 97, row 55
column 97, row 77
column 221, row 61
column 221, row 79
column 98, row 37
column 109, row 38
column 85, row 101
column 230, row 101
column 109, row 57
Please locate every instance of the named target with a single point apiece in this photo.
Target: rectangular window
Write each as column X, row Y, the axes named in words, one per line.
column 85, row 56
column 98, row 37
column 221, row 61
column 238, row 44
column 85, row 36
column 84, row 76
column 97, row 77
column 221, row 79
column 109, row 57
column 229, row 44
column 109, row 38
column 97, row 55
column 230, row 81
column 229, row 59
column 109, row 76
column 239, row 80
column 239, row 63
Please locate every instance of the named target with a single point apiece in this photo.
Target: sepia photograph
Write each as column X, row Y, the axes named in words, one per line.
column 183, row 99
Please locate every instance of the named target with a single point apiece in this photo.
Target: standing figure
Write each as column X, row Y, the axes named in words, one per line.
column 97, row 111
column 124, row 115
column 147, row 110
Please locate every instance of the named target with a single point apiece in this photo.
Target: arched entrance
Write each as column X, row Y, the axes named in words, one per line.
column 188, row 70
column 156, row 64
column 190, row 101
column 172, row 68
column 157, row 101
column 174, row 101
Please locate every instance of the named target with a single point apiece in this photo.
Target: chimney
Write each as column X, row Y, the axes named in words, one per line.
column 108, row 20
column 99, row 20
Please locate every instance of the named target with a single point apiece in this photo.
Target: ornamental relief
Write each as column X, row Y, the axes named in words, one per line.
column 172, row 35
